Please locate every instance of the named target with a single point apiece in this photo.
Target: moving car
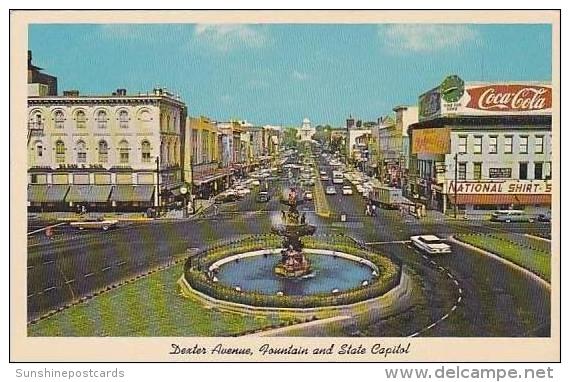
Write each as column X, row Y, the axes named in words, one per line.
column 97, row 223
column 308, row 195
column 346, row 190
column 255, row 183
column 544, row 217
column 227, row 197
column 324, row 178
column 430, row 244
column 508, row 216
column 330, row 190
column 263, row 196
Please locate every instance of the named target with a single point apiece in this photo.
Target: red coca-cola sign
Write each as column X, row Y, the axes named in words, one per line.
column 507, row 98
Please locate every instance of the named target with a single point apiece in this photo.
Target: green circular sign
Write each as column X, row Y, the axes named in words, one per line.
column 452, row 89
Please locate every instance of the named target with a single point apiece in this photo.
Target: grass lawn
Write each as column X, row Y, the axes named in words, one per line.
column 151, row 306
column 533, row 259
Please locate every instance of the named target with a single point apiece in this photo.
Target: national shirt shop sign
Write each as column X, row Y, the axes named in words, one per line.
column 460, row 98
column 506, row 187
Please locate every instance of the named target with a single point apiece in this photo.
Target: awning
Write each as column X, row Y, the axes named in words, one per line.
column 88, row 193
column 496, row 199
column 46, row 193
column 206, row 179
column 128, row 193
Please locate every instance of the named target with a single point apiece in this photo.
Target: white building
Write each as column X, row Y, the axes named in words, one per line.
column 102, row 151
column 493, row 138
column 306, row 131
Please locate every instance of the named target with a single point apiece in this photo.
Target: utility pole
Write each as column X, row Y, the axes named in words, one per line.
column 192, row 184
column 158, row 184
column 455, row 190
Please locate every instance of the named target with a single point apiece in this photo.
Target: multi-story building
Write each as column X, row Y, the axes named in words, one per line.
column 203, row 165
column 306, row 131
column 105, row 152
column 358, row 136
column 483, row 146
column 40, row 84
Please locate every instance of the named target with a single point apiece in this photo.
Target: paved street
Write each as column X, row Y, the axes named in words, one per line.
column 464, row 294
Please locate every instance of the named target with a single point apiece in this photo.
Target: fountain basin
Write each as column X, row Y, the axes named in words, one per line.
column 253, row 272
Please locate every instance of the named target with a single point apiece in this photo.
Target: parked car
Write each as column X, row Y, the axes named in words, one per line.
column 97, row 223
column 308, row 195
column 323, row 173
column 263, row 196
column 544, row 217
column 325, row 178
column 346, row 190
column 255, row 183
column 330, row 190
column 508, row 216
column 227, row 197
column 430, row 244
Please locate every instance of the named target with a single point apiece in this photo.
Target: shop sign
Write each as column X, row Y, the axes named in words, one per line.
column 506, row 187
column 502, row 172
column 510, row 98
column 429, row 104
column 431, row 141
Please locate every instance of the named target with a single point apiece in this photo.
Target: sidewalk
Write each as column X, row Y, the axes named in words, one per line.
column 201, row 205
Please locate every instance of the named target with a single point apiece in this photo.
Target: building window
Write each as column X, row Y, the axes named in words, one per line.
column 523, row 146
column 102, row 119
column 81, row 152
column 103, row 152
column 477, row 171
column 59, row 119
column 508, row 147
column 60, row 152
column 548, row 170
column 538, row 170
column 123, row 152
column 39, row 150
column 523, row 170
column 124, row 119
column 477, row 144
column 80, row 119
column 35, row 122
column 145, row 148
column 493, row 144
column 462, row 147
column 539, row 144
column 462, row 171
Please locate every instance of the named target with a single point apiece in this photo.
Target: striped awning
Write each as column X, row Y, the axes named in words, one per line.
column 129, row 193
column 88, row 193
column 46, row 193
column 499, row 199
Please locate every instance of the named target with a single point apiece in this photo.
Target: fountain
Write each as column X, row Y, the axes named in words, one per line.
column 293, row 263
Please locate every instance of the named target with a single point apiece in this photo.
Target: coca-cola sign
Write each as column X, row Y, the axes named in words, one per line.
column 510, row 98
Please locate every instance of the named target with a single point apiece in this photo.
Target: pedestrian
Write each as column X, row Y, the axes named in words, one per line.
column 374, row 210
column 367, row 212
column 215, row 209
column 49, row 233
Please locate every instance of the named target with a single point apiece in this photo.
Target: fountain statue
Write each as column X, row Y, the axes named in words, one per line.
column 293, row 261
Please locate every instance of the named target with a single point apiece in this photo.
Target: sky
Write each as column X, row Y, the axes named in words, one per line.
column 281, row 73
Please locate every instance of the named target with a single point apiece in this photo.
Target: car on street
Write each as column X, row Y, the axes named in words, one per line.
column 227, row 197
column 330, row 190
column 323, row 173
column 263, row 196
column 95, row 223
column 255, row 183
column 308, row 195
column 325, row 178
column 544, row 217
column 508, row 216
column 430, row 244
column 346, row 190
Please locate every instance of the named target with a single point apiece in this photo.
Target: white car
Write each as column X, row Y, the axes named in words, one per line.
column 255, row 183
column 430, row 244
column 98, row 223
column 359, row 188
column 330, row 190
column 347, row 190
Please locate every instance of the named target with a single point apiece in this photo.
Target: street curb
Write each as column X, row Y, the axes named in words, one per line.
column 537, row 237
column 45, row 228
column 509, row 263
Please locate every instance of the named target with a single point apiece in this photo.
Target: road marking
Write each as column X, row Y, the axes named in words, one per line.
column 425, row 257
column 70, row 281
column 388, row 242
column 30, row 266
column 88, row 275
column 415, row 334
column 449, row 275
column 432, row 262
column 104, row 269
column 49, row 262
column 444, row 317
column 460, row 291
column 31, row 295
column 454, row 307
column 48, row 289
column 456, row 282
column 459, row 299
column 431, row 326
column 121, row 263
column 441, row 268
